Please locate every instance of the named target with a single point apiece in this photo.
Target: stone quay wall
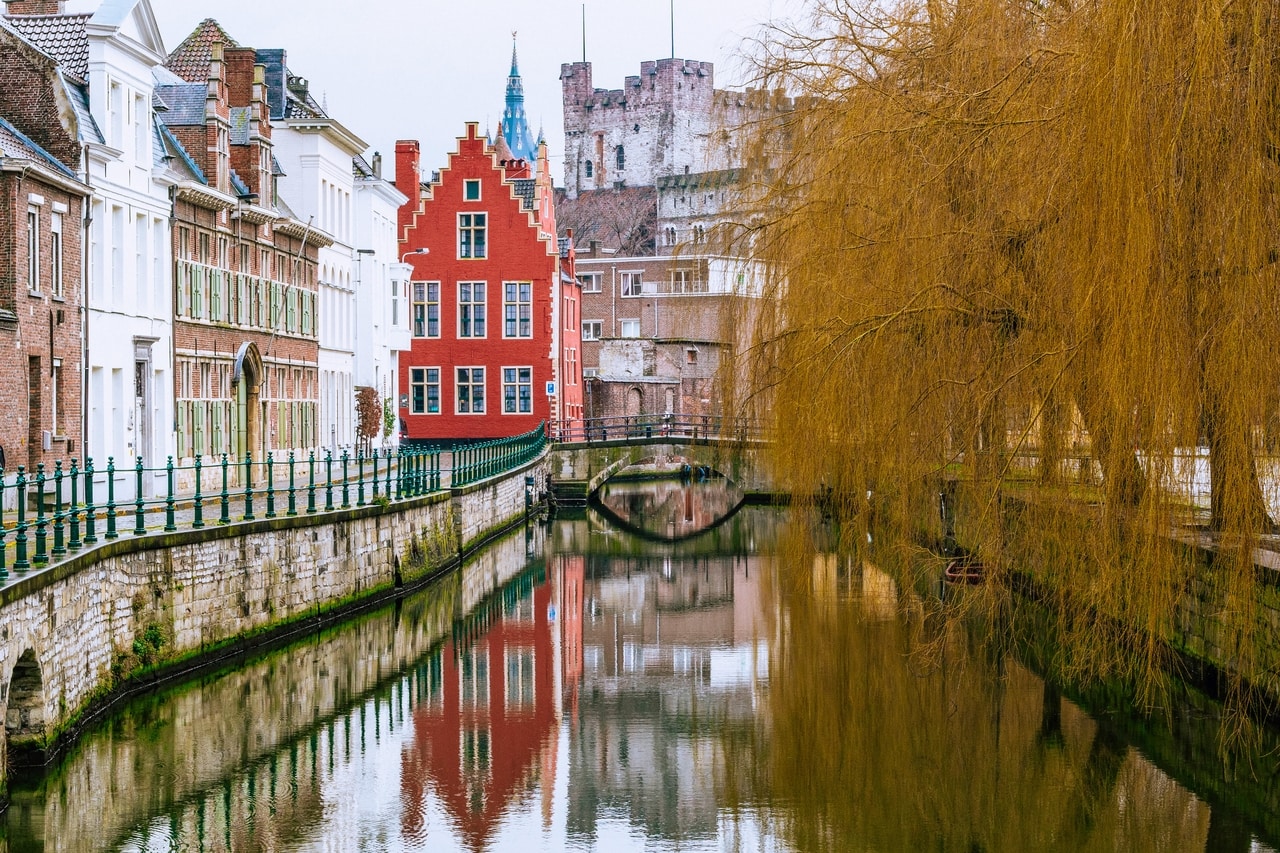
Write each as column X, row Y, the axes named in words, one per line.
column 131, row 611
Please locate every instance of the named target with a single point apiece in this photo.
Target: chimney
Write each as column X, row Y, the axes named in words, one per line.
column 217, row 119
column 35, row 7
column 377, row 165
column 260, row 138
column 408, row 177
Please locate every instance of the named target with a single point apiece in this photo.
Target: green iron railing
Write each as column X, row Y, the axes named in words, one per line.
column 475, row 462
column 56, row 513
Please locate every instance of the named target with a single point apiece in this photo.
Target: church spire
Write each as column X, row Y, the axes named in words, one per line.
column 515, row 127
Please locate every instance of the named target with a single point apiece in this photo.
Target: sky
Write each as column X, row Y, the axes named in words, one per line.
column 420, row 69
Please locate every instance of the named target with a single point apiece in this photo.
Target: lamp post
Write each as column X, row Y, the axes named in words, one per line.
column 421, row 251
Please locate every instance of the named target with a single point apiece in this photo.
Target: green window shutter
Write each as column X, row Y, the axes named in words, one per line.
column 184, row 444
column 282, row 424
column 197, row 428
column 242, row 299
column 197, row 292
column 183, row 280
column 218, row 414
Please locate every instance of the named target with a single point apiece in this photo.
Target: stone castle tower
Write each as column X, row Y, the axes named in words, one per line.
column 658, row 124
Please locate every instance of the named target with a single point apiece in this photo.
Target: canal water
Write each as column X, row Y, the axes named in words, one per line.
column 597, row 684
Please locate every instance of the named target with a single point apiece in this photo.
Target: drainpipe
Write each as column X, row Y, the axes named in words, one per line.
column 86, row 224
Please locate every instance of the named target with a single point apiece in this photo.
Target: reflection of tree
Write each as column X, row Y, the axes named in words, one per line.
column 877, row 744
column 623, row 220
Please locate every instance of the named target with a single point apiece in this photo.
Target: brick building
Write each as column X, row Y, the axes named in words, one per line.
column 41, row 299
column 487, row 299
column 106, row 60
column 657, row 330
column 245, row 311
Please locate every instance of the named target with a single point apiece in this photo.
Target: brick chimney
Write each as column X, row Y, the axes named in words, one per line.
column 408, row 177
column 217, row 122
column 35, row 7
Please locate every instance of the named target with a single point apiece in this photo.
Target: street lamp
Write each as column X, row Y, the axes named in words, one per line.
column 423, row 251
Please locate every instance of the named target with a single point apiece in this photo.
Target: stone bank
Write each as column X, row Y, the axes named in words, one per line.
column 130, row 611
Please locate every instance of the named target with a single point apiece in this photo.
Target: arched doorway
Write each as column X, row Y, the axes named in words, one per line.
column 246, row 422
column 24, row 723
column 635, row 402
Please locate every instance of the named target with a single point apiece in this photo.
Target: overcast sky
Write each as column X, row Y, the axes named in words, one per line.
column 419, row 69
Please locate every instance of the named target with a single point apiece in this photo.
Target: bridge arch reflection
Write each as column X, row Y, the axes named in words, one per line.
column 668, row 510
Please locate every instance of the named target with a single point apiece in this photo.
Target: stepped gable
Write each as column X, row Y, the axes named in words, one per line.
column 190, row 60
column 64, row 37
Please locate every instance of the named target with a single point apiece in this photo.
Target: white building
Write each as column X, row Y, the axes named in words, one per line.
column 382, row 288
column 315, row 153
column 109, row 56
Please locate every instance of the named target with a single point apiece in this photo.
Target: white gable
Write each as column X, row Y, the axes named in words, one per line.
column 132, row 20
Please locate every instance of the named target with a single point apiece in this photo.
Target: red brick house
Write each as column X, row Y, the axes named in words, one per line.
column 42, row 205
column 487, row 358
column 245, row 310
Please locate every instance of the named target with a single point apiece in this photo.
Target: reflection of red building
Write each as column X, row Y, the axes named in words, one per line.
column 485, row 721
column 573, row 571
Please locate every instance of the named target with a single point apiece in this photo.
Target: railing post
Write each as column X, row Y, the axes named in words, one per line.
column 271, row 486
column 388, row 490
column 90, row 513
column 197, row 506
column 224, row 517
column 139, row 518
column 346, row 482
column 311, row 482
column 59, row 521
column 248, row 487
column 75, row 543
column 169, row 524
column 328, row 475
column 400, row 461
column 111, row 498
column 20, row 563
column 4, row 572
column 293, row 502
column 435, row 470
column 360, row 472
column 41, row 557
column 375, row 475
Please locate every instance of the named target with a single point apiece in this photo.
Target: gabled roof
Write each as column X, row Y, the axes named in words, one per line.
column 64, row 37
column 14, row 143
column 185, row 102
column 190, row 60
column 178, row 158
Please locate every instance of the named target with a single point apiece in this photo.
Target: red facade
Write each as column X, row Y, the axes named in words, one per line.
column 486, row 359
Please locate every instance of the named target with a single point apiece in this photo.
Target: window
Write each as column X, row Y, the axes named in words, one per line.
column 470, row 390
column 33, row 250
column 517, row 309
column 592, row 329
column 426, row 309
column 632, row 283
column 630, row 328
column 621, row 158
column 471, row 303
column 55, row 381
column 517, row 390
column 424, row 390
column 590, row 282
column 395, row 304
column 471, row 189
column 473, row 678
column 590, row 169
column 471, row 235
column 519, row 677
column 55, row 254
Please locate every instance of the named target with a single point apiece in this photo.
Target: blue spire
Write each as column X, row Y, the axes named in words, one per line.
column 515, row 127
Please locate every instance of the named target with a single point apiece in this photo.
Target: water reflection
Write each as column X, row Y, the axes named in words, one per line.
column 592, row 690
column 668, row 509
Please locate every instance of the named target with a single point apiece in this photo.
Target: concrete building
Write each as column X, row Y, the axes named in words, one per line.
column 108, row 59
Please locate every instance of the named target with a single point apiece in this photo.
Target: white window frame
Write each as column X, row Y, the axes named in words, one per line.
column 428, row 303
column 467, row 184
column 33, row 249
column 470, row 382
column 593, row 277
column 468, row 317
column 56, row 256
column 517, row 382
column 427, row 385
column 473, row 224
column 511, row 313
column 633, row 323
column 631, row 283
column 592, row 330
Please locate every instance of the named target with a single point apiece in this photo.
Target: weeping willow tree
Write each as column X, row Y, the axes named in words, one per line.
column 1032, row 235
